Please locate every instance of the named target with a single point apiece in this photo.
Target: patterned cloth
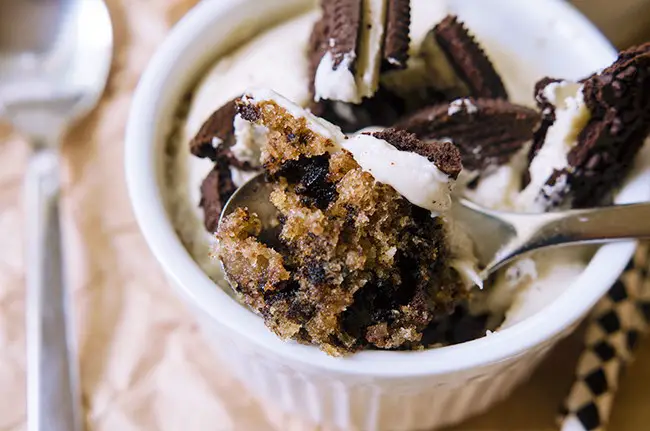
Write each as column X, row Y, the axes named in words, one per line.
column 614, row 327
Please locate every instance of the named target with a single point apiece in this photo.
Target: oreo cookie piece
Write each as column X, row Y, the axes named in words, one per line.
column 396, row 36
column 354, row 41
column 216, row 189
column 233, row 146
column 444, row 154
column 216, row 133
column 458, row 62
column 597, row 128
column 488, row 132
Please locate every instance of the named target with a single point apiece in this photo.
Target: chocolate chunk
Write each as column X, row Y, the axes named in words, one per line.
column 217, row 131
column 488, row 132
column 216, row 189
column 396, row 36
column 468, row 59
column 443, row 154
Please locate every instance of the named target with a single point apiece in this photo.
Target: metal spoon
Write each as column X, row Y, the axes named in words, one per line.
column 500, row 236
column 54, row 61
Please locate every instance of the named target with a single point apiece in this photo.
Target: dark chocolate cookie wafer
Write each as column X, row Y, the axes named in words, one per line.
column 488, row 132
column 214, row 141
column 618, row 100
column 396, row 36
column 468, row 59
column 317, row 48
column 548, row 114
column 444, row 154
column 216, row 133
column 216, row 189
column 342, row 21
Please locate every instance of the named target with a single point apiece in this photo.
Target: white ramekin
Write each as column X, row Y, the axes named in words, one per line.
column 370, row 390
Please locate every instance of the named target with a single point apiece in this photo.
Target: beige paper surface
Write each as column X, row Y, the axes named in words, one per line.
column 144, row 365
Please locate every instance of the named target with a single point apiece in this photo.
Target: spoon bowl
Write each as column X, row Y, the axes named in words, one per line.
column 498, row 236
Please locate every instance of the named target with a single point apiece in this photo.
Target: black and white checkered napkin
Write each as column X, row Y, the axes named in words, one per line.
column 614, row 327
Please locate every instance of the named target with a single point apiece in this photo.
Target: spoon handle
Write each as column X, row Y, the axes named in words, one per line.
column 528, row 232
column 53, row 401
column 604, row 224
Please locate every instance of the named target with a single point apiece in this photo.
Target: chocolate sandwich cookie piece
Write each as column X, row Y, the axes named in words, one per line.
column 613, row 128
column 488, row 132
column 396, row 36
column 619, row 101
column 216, row 189
column 444, row 154
column 547, row 108
column 548, row 118
column 317, row 48
column 216, row 133
column 451, row 46
column 353, row 43
column 217, row 140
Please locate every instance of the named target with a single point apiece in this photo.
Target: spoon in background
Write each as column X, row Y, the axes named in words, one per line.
column 498, row 236
column 54, row 61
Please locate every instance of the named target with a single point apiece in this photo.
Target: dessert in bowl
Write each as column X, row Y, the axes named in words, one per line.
column 428, row 387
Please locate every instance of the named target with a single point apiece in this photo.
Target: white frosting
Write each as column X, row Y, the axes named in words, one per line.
column 548, row 275
column 317, row 124
column 413, row 176
column 498, row 189
column 339, row 83
column 460, row 105
column 370, row 47
column 249, row 141
column 239, row 177
column 571, row 116
column 521, row 270
column 462, row 250
column 336, row 83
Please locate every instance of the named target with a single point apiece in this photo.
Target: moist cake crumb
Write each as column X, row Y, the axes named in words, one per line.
column 356, row 264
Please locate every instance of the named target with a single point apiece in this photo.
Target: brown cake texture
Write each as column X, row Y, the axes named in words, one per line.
column 355, row 265
column 618, row 99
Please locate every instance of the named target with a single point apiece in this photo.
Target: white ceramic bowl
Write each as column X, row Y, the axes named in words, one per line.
column 374, row 389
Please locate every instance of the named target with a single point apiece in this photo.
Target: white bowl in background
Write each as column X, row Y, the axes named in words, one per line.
column 371, row 389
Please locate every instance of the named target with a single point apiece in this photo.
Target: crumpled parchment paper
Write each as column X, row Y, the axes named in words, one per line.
column 144, row 364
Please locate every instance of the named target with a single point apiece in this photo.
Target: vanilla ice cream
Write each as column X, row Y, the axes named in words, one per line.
column 277, row 59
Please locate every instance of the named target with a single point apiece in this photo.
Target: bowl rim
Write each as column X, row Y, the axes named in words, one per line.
column 144, row 187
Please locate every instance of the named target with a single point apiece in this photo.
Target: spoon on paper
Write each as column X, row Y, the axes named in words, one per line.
column 55, row 57
column 498, row 236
